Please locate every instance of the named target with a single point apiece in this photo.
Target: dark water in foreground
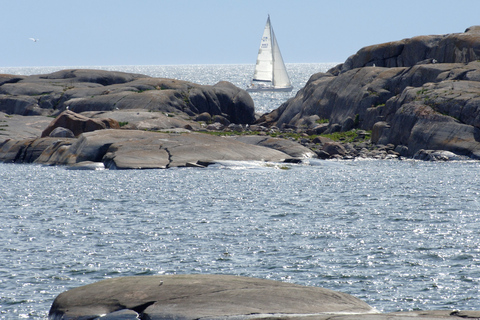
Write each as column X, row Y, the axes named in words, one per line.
column 398, row 235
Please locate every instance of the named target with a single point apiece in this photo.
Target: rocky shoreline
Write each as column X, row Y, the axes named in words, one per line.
column 415, row 94
column 415, row 98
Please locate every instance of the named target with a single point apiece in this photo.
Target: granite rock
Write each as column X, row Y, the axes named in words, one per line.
column 202, row 297
column 83, row 90
column 399, row 94
column 79, row 124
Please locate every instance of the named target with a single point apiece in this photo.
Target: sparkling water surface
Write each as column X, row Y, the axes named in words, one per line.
column 400, row 235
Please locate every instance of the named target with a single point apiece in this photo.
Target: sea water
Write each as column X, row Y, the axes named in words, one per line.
column 400, row 235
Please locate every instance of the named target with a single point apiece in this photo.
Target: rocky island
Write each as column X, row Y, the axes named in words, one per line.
column 415, row 98
column 419, row 96
column 127, row 121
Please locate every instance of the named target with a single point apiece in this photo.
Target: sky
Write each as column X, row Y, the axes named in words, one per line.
column 178, row 32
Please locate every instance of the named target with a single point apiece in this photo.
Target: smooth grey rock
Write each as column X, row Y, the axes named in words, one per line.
column 205, row 117
column 82, row 90
column 334, row 148
column 140, row 119
column 87, row 165
column 202, row 296
column 292, row 148
column 217, row 126
column 449, row 48
column 29, row 150
column 124, row 314
column 14, row 126
column 377, row 130
column 60, row 132
column 436, row 155
column 402, row 150
column 135, row 149
column 236, row 127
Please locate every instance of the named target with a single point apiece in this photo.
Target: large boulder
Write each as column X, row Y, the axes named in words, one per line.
column 405, row 99
column 201, row 296
column 97, row 90
column 79, row 124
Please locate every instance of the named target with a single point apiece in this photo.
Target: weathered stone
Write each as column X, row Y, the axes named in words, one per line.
column 318, row 129
column 292, row 148
column 334, row 148
column 22, row 127
column 205, row 117
column 202, row 296
column 60, row 132
column 348, row 124
column 26, row 151
column 404, row 99
column 436, row 155
column 450, row 48
column 322, row 154
column 236, row 127
column 217, row 126
column 79, row 124
column 134, row 149
column 220, row 119
column 377, row 130
column 321, row 140
column 87, row 165
column 98, row 90
column 402, row 150
column 140, row 119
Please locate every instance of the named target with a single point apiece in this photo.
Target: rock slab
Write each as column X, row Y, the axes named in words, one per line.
column 201, row 297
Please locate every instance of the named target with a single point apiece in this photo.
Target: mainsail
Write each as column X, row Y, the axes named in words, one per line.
column 270, row 69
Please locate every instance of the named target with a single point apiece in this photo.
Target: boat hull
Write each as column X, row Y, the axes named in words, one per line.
column 266, row 89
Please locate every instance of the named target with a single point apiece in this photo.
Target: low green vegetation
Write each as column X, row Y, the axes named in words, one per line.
column 320, row 121
column 422, row 91
column 349, row 136
column 123, row 123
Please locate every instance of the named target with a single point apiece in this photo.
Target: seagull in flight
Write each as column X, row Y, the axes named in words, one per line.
column 33, row 39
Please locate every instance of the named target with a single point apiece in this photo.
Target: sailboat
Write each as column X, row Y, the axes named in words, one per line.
column 270, row 72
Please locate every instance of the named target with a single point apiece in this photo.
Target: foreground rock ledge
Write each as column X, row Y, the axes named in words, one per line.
column 200, row 297
column 220, row 297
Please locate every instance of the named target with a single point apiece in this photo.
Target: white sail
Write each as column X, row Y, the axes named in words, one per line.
column 270, row 69
column 280, row 75
column 264, row 66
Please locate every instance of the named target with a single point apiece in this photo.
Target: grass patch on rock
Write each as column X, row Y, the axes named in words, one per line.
column 348, row 136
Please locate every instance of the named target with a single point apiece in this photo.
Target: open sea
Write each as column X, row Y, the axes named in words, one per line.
column 400, row 235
